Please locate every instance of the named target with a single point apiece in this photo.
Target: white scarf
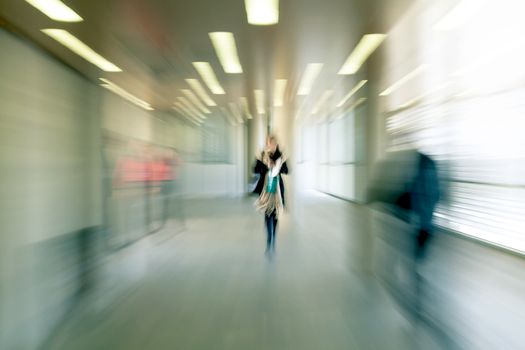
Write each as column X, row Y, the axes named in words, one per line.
column 270, row 202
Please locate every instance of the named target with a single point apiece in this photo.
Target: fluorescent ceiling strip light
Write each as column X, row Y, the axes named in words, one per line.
column 245, row 107
column 199, row 90
column 190, row 108
column 356, row 104
column 183, row 108
column 191, row 96
column 322, row 100
column 81, row 49
column 178, row 107
column 186, row 112
column 224, row 44
column 352, row 92
column 235, row 112
column 404, row 80
column 361, row 52
column 259, row 101
column 262, row 12
column 409, row 103
column 279, row 90
column 309, row 76
column 124, row 94
column 352, row 107
column 208, row 75
column 56, row 10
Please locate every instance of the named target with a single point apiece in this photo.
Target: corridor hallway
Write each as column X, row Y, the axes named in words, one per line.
column 132, row 132
column 212, row 287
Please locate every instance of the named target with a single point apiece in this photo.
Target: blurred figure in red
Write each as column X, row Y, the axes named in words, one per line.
column 168, row 166
column 131, row 167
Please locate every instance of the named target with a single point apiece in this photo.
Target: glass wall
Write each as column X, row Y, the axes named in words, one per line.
column 464, row 106
column 329, row 149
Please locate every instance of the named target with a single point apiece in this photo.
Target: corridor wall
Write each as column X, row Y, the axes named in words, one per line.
column 61, row 135
column 50, row 185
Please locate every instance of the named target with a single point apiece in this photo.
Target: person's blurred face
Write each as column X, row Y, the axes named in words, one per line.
column 271, row 145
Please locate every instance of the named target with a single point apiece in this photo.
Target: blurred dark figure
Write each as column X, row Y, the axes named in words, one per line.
column 409, row 181
column 270, row 188
column 422, row 198
column 407, row 185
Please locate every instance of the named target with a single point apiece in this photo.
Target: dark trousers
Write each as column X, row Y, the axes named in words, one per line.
column 271, row 228
column 423, row 237
column 420, row 287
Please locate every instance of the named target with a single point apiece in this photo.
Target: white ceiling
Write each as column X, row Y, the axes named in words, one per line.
column 155, row 41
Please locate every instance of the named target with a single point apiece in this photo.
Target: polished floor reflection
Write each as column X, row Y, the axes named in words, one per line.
column 212, row 287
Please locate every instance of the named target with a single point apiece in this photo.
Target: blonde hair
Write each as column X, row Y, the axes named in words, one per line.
column 270, row 138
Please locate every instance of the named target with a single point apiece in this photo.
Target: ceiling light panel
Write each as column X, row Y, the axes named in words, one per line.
column 201, row 92
column 226, row 49
column 56, row 10
column 179, row 108
column 262, row 12
column 366, row 46
column 81, row 49
column 309, row 76
column 259, row 101
column 190, row 108
column 111, row 86
column 184, row 110
column 325, row 96
column 278, row 91
column 352, row 92
column 404, row 80
column 356, row 104
column 208, row 76
column 246, row 108
column 196, row 102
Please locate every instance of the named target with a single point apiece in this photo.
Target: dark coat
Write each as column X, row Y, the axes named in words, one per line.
column 261, row 169
column 410, row 180
column 425, row 192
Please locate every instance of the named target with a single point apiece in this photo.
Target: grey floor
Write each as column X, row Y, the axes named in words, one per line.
column 212, row 287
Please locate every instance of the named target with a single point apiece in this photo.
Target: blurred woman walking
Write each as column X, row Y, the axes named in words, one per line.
column 270, row 188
